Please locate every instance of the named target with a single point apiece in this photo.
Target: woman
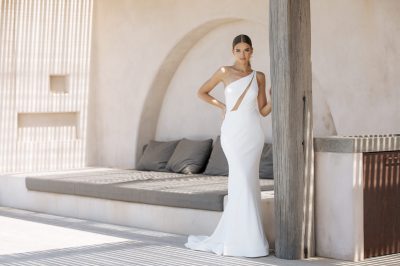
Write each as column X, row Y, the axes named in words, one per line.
column 239, row 231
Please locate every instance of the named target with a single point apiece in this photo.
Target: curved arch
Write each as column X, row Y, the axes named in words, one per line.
column 152, row 106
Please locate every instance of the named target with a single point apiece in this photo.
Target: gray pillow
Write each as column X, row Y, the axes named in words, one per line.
column 156, row 155
column 190, row 156
column 217, row 164
column 266, row 165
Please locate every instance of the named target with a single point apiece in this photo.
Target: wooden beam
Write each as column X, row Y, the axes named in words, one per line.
column 290, row 50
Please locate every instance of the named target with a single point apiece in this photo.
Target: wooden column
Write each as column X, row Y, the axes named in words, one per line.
column 290, row 50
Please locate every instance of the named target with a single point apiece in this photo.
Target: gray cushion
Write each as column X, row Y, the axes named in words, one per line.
column 266, row 165
column 160, row 188
column 217, row 164
column 156, row 155
column 190, row 156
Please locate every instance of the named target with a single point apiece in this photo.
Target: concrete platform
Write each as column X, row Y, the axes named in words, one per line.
column 13, row 193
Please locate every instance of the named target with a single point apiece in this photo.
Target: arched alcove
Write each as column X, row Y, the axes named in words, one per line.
column 151, row 108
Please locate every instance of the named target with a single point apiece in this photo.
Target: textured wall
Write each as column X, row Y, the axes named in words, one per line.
column 44, row 83
column 355, row 56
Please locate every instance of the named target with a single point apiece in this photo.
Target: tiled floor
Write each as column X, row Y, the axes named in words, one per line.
column 29, row 238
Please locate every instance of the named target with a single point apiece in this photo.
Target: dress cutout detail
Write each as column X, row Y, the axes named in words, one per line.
column 239, row 101
column 239, row 231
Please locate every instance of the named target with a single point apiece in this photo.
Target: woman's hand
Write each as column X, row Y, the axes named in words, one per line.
column 266, row 110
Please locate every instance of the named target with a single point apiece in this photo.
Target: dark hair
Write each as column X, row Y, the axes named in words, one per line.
column 241, row 38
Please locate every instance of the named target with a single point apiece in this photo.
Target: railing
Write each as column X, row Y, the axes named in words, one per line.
column 381, row 203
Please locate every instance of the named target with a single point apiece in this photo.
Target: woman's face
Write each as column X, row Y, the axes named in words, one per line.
column 242, row 52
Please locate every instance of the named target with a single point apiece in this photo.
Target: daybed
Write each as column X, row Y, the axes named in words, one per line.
column 181, row 173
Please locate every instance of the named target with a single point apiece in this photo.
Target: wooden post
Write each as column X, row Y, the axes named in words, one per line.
column 290, row 50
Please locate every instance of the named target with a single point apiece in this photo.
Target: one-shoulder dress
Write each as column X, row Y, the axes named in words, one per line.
column 239, row 231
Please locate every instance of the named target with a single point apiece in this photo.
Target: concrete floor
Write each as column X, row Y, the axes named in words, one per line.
column 29, row 238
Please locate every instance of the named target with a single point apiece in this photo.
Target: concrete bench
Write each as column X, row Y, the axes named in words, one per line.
column 195, row 195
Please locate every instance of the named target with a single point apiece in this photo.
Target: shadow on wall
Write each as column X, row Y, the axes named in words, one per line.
column 44, row 84
column 324, row 125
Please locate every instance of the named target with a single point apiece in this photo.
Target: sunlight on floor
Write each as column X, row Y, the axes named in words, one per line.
column 26, row 236
column 30, row 238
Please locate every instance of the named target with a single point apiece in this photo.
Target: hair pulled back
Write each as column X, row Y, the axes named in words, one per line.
column 241, row 38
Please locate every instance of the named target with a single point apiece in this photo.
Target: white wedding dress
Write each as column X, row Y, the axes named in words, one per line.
column 240, row 230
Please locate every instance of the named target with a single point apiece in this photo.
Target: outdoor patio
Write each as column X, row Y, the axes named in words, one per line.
column 41, row 239
column 86, row 85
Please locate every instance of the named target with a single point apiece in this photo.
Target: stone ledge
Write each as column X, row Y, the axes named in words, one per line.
column 357, row 144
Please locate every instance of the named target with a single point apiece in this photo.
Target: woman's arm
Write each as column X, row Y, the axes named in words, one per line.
column 263, row 106
column 209, row 85
column 266, row 110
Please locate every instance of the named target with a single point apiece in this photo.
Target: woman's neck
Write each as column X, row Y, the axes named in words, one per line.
column 244, row 68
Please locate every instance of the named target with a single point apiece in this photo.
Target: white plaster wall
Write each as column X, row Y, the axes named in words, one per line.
column 355, row 57
column 339, row 227
column 356, row 60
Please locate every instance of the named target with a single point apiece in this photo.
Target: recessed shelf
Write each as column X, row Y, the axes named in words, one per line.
column 59, row 83
column 48, row 126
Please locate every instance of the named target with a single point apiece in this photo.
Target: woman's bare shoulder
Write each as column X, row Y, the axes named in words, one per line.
column 222, row 72
column 260, row 78
column 260, row 75
column 225, row 69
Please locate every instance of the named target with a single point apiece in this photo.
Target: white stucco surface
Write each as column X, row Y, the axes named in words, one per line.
column 339, row 205
column 355, row 57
